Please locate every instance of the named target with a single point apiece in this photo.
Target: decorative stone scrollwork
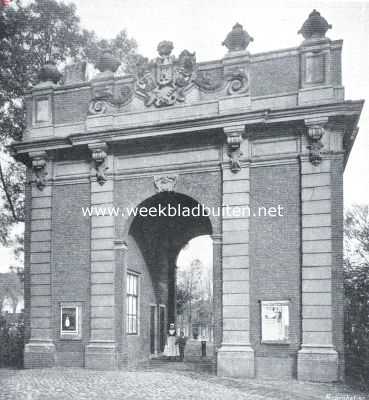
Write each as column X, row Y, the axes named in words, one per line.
column 209, row 80
column 315, row 134
column 234, row 140
column 168, row 78
column 98, row 155
column 39, row 169
column 238, row 82
column 105, row 100
column 165, row 183
column 97, row 107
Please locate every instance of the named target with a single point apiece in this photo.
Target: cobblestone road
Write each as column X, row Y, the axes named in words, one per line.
column 81, row 384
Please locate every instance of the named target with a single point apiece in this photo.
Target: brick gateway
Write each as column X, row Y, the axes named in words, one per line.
column 247, row 130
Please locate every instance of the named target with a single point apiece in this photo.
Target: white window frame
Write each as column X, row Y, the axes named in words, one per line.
column 138, row 297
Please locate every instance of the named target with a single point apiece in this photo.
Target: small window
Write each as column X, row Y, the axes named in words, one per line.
column 132, row 303
column 42, row 110
column 314, row 72
column 274, row 321
column 70, row 321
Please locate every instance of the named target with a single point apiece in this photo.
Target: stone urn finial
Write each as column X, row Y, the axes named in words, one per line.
column 165, row 48
column 107, row 62
column 49, row 72
column 238, row 39
column 315, row 27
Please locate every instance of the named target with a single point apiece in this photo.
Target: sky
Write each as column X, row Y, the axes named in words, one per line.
column 200, row 248
column 202, row 25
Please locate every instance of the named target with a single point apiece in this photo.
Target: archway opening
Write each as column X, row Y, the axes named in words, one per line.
column 194, row 289
column 155, row 242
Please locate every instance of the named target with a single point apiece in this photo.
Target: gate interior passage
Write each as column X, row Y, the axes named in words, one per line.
column 248, row 131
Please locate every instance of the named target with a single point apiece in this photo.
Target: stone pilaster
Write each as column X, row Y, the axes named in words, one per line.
column 101, row 352
column 40, row 351
column 236, row 357
column 120, row 248
column 217, row 289
column 317, row 359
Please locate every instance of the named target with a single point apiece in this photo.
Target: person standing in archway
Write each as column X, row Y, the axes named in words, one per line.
column 171, row 348
column 181, row 342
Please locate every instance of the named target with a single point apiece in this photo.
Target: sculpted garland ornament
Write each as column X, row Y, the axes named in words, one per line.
column 315, row 134
column 166, row 82
column 98, row 155
column 234, row 140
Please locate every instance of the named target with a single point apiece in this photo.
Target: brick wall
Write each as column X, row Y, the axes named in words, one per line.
column 71, row 265
column 139, row 345
column 71, row 106
column 279, row 75
column 275, row 262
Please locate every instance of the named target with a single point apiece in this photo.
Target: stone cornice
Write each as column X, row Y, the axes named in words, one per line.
column 261, row 117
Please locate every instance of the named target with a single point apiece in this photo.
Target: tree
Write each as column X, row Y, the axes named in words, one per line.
column 188, row 285
column 30, row 35
column 356, row 230
column 11, row 289
column 356, row 285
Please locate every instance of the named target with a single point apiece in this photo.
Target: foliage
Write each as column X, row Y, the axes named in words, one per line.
column 30, row 34
column 11, row 288
column 188, row 286
column 11, row 342
column 356, row 284
column 194, row 296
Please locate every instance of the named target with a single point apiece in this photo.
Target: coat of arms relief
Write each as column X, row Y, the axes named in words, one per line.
column 168, row 78
column 165, row 81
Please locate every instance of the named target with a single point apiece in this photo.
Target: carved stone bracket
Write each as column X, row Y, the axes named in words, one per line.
column 165, row 183
column 98, row 154
column 39, row 162
column 315, row 132
column 234, row 140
